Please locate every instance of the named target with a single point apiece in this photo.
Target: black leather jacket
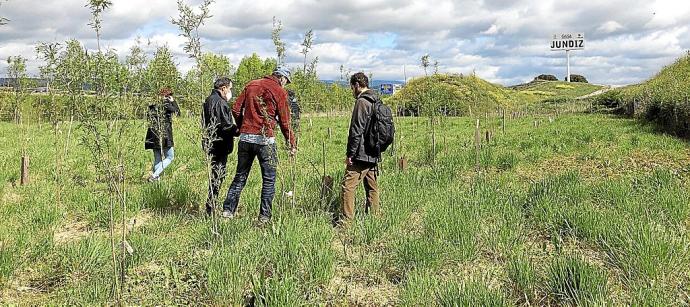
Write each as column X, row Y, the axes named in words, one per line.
column 218, row 123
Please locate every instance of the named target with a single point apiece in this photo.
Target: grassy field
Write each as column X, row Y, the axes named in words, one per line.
column 573, row 210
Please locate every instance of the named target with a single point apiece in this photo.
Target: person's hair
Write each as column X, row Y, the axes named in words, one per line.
column 360, row 79
column 278, row 75
column 220, row 82
column 165, row 92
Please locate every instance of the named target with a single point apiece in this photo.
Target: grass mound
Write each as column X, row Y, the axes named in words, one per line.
column 460, row 95
column 453, row 94
column 663, row 99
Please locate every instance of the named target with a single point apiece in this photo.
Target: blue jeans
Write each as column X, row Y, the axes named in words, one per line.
column 268, row 161
column 159, row 164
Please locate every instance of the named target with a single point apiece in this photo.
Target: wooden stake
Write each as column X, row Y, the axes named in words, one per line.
column 402, row 163
column 25, row 170
column 503, row 123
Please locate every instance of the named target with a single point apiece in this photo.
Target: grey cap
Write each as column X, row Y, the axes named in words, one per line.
column 282, row 71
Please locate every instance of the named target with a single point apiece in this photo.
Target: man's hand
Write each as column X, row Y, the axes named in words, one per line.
column 348, row 161
column 293, row 151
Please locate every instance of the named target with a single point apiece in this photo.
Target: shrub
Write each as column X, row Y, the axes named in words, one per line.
column 546, row 78
column 611, row 99
column 578, row 79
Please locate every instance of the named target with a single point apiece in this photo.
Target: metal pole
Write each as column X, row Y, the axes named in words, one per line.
column 567, row 55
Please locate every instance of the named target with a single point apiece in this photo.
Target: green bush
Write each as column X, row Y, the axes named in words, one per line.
column 611, row 99
column 546, row 78
column 577, row 79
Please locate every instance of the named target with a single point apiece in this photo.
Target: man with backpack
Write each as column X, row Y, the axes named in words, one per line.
column 371, row 132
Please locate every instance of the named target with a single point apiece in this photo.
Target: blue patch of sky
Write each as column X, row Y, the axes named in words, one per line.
column 154, row 27
column 381, row 40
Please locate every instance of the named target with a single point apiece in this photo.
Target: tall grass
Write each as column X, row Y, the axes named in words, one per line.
column 537, row 232
column 573, row 281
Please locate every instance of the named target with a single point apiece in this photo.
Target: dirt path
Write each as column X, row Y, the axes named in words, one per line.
column 599, row 92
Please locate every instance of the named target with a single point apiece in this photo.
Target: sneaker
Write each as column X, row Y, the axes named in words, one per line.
column 228, row 215
column 153, row 179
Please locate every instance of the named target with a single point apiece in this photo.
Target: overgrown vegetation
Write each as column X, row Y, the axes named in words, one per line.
column 664, row 99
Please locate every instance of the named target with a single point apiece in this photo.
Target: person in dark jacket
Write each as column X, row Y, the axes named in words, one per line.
column 295, row 110
column 260, row 108
column 159, row 136
column 360, row 165
column 219, row 131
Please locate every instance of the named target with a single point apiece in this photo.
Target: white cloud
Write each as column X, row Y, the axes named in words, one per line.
column 503, row 41
column 610, row 27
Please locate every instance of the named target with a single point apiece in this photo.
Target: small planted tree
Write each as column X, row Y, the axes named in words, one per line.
column 277, row 41
column 49, row 53
column 189, row 23
column 16, row 71
column 428, row 104
column 104, row 137
column 307, row 45
column 425, row 62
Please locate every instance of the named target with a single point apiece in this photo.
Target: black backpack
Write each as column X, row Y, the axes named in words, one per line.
column 380, row 132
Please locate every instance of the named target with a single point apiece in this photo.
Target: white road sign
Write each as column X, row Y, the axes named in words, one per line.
column 568, row 41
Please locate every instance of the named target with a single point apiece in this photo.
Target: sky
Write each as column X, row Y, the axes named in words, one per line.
column 503, row 41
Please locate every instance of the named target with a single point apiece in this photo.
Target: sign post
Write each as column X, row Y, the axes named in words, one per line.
column 568, row 42
column 567, row 55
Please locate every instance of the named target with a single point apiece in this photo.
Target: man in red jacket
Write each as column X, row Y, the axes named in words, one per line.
column 262, row 105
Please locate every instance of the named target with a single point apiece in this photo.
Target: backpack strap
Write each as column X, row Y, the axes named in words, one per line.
column 369, row 99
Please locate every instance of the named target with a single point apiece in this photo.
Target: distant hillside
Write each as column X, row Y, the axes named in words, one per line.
column 664, row 99
column 554, row 91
